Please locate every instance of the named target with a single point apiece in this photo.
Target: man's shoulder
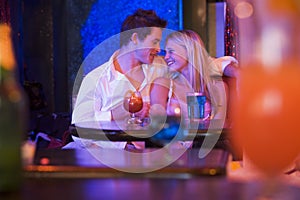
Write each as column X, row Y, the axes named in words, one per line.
column 100, row 68
column 225, row 59
column 98, row 72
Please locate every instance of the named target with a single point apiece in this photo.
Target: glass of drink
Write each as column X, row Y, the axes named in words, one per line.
column 266, row 113
column 196, row 106
column 133, row 103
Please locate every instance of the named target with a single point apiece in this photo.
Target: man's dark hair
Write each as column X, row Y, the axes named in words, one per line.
column 140, row 22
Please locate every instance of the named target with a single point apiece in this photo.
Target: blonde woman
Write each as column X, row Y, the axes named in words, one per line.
column 191, row 69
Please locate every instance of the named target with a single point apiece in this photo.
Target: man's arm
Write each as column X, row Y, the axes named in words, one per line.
column 232, row 70
column 224, row 66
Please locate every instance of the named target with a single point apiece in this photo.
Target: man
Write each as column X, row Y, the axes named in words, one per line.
column 130, row 68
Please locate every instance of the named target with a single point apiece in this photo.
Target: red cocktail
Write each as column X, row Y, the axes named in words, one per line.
column 133, row 103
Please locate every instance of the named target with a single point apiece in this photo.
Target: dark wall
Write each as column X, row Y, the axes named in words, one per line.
column 195, row 17
column 37, row 46
column 47, row 40
column 60, row 62
column 198, row 16
column 68, row 17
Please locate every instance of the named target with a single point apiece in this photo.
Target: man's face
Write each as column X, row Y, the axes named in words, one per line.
column 148, row 48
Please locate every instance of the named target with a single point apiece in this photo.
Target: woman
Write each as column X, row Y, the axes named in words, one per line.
column 191, row 70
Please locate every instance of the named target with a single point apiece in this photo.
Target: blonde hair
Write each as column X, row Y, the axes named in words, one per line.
column 198, row 59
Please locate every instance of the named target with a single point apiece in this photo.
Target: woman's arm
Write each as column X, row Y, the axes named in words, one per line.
column 159, row 91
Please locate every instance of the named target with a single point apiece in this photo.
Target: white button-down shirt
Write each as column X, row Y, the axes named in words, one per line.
column 104, row 88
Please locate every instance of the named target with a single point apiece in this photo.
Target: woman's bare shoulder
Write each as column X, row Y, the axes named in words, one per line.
column 162, row 81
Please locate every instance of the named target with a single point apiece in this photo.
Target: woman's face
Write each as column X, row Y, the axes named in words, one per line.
column 176, row 56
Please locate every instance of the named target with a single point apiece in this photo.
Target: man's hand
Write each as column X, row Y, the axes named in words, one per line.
column 119, row 112
column 232, row 70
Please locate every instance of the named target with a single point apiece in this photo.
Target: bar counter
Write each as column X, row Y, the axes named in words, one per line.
column 134, row 188
column 73, row 174
column 215, row 188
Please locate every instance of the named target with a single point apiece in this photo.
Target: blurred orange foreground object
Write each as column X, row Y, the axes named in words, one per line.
column 7, row 59
column 286, row 6
column 266, row 116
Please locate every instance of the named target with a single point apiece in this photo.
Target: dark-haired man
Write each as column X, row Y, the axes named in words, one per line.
column 133, row 67
column 130, row 68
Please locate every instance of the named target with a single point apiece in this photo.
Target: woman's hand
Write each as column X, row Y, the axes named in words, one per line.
column 145, row 111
